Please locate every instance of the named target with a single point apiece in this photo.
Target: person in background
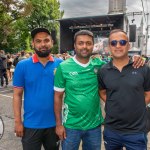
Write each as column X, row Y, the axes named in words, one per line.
column 3, row 69
column 22, row 55
column 35, row 77
column 9, row 64
column 16, row 59
column 27, row 55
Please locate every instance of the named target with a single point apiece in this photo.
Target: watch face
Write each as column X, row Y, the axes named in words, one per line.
column 1, row 127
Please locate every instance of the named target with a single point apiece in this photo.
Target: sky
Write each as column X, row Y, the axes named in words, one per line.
column 80, row 8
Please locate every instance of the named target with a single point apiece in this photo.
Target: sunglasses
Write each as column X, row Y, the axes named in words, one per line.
column 121, row 42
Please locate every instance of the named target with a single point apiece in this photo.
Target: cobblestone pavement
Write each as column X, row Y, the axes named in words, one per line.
column 9, row 141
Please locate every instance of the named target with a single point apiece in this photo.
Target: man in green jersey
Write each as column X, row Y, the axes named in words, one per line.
column 77, row 78
column 82, row 115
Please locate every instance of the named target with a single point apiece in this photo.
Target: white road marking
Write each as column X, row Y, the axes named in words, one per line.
column 6, row 90
column 6, row 96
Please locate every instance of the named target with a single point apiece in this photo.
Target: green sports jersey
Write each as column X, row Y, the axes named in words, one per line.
column 81, row 102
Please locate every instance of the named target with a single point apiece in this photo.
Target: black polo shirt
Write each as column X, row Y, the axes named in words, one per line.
column 125, row 104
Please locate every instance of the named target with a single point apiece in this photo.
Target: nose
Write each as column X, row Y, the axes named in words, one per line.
column 42, row 43
column 118, row 44
column 84, row 45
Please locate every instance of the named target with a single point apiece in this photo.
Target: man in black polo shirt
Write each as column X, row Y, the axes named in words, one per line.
column 126, row 91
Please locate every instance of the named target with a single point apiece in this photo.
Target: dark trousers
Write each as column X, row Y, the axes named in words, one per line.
column 3, row 74
column 33, row 139
column 116, row 141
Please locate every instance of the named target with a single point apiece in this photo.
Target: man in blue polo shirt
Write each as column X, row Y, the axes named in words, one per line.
column 35, row 77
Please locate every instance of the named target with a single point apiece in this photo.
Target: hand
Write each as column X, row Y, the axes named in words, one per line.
column 19, row 129
column 96, row 56
column 138, row 61
column 61, row 132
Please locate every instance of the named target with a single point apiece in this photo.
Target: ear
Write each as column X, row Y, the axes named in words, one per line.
column 108, row 48
column 52, row 43
column 128, row 46
column 74, row 46
column 32, row 44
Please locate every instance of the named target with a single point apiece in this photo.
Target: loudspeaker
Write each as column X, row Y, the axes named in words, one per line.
column 132, row 33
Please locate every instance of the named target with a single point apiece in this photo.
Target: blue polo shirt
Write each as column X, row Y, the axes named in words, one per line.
column 38, row 84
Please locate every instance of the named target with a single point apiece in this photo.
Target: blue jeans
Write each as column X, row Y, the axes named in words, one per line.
column 116, row 141
column 91, row 139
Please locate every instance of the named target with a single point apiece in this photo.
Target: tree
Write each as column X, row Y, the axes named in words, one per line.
column 10, row 12
column 43, row 14
column 18, row 18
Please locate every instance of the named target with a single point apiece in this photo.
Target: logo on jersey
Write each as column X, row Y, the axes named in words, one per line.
column 55, row 70
column 95, row 70
column 134, row 72
column 73, row 73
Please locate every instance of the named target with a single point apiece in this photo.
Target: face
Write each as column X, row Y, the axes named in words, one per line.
column 83, row 46
column 119, row 45
column 42, row 44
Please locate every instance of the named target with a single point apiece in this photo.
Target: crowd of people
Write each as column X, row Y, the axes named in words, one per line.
column 9, row 61
column 62, row 98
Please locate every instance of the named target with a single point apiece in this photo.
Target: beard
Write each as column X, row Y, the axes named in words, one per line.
column 44, row 53
column 85, row 55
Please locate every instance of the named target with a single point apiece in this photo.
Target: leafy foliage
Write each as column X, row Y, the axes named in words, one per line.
column 18, row 18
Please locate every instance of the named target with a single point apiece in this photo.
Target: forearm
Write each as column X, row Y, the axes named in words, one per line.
column 147, row 100
column 102, row 94
column 103, row 98
column 58, row 108
column 147, row 97
column 17, row 105
column 58, row 111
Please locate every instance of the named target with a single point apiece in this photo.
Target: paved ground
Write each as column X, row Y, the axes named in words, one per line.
column 9, row 141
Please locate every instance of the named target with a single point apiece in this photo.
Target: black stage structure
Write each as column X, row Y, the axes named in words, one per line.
column 99, row 25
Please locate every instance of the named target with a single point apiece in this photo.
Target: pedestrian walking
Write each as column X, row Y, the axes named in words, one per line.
column 3, row 69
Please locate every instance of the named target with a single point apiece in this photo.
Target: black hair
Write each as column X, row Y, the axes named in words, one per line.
column 83, row 32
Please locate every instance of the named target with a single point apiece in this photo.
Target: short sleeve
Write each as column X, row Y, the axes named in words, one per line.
column 18, row 78
column 147, row 79
column 100, row 77
column 59, row 81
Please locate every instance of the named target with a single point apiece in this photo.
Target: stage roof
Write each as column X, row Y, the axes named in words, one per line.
column 90, row 20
